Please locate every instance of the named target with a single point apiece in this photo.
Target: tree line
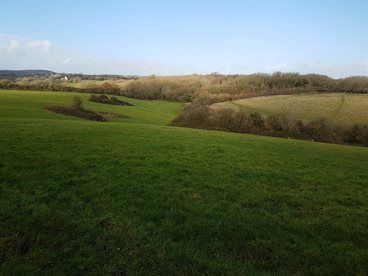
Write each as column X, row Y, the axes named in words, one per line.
column 203, row 88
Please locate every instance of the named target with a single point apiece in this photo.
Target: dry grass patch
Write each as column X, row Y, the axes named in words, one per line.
column 341, row 108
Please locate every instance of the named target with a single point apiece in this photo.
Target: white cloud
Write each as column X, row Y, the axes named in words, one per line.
column 68, row 60
column 12, row 45
column 19, row 52
column 44, row 54
column 9, row 44
column 43, row 45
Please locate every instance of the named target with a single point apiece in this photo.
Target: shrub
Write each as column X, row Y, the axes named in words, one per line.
column 223, row 119
column 193, row 115
column 281, row 122
column 357, row 134
column 257, row 120
column 93, row 98
column 103, row 99
column 243, row 122
column 77, row 102
column 106, row 100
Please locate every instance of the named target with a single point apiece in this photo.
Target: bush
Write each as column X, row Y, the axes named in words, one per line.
column 257, row 120
column 93, row 98
column 77, row 102
column 357, row 134
column 106, row 100
column 193, row 115
column 283, row 123
column 103, row 99
column 223, row 119
column 323, row 131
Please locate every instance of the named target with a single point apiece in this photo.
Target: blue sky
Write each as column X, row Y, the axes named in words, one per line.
column 185, row 37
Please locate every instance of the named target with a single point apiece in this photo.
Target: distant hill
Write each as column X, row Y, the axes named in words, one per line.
column 13, row 74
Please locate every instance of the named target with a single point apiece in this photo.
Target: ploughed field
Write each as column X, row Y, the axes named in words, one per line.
column 134, row 196
column 340, row 108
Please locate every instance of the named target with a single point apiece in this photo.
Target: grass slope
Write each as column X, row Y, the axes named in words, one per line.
column 341, row 108
column 30, row 104
column 80, row 197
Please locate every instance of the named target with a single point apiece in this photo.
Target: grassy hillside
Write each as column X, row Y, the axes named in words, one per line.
column 30, row 104
column 141, row 198
column 346, row 109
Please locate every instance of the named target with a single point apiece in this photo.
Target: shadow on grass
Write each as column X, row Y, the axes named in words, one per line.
column 76, row 112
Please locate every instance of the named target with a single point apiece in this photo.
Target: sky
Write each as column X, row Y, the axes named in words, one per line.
column 165, row 37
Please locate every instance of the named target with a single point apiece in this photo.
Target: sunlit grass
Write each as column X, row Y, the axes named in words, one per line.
column 80, row 197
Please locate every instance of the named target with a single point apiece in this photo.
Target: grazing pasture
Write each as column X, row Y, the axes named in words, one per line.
column 134, row 196
column 30, row 104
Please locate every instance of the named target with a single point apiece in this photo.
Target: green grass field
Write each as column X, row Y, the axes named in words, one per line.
column 30, row 104
column 136, row 197
column 341, row 108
